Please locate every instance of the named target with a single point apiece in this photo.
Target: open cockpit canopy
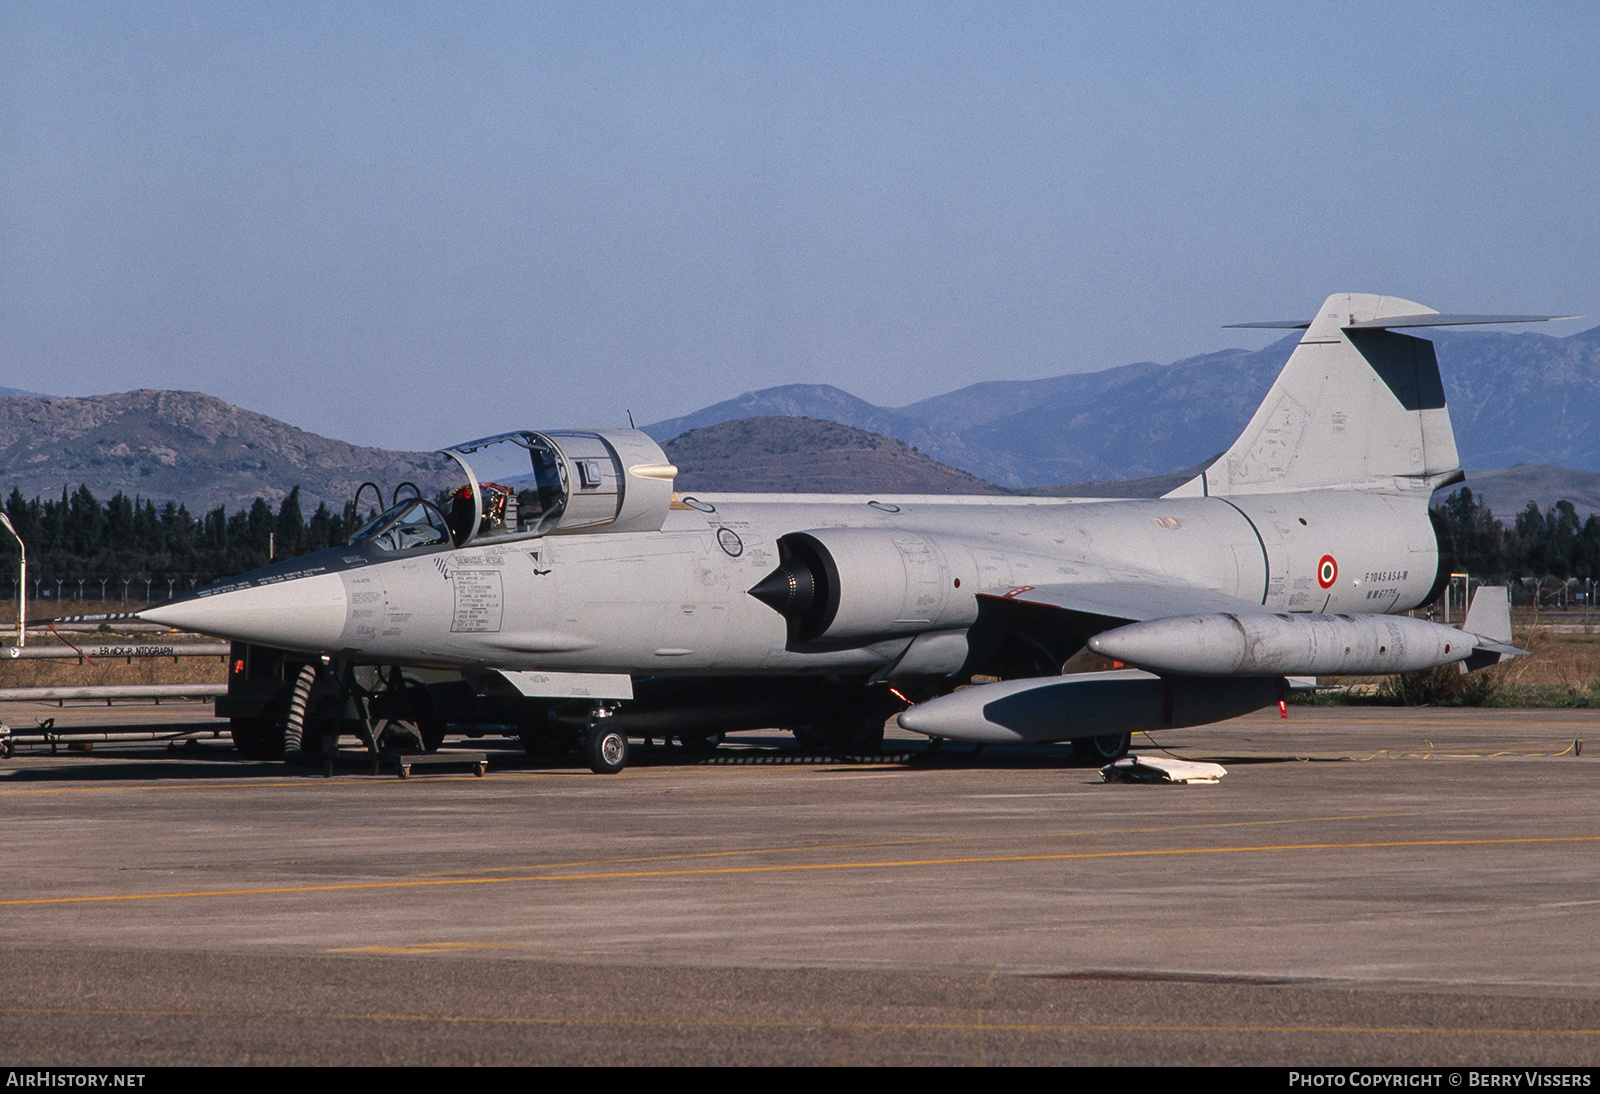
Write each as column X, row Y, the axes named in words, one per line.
column 524, row 484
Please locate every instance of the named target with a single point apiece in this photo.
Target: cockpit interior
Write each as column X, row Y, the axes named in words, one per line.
column 517, row 485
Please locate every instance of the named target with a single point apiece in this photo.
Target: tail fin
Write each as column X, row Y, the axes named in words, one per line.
column 1356, row 406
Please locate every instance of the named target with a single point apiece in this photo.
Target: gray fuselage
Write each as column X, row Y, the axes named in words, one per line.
column 674, row 600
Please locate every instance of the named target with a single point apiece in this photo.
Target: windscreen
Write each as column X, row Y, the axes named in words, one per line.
column 411, row 523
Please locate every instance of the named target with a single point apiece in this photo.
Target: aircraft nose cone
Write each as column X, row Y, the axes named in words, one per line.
column 306, row 613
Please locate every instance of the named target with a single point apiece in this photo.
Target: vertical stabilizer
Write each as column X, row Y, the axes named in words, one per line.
column 1356, row 406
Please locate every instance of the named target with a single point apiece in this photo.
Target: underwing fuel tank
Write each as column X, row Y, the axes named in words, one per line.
column 1087, row 704
column 1280, row 644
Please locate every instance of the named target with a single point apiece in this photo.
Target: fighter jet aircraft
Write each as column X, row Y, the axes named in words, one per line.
column 566, row 581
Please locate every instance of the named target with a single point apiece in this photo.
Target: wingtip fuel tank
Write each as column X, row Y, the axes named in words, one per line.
column 1284, row 644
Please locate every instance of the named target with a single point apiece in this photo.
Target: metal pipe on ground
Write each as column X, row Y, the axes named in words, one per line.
column 115, row 691
column 66, row 735
column 107, row 650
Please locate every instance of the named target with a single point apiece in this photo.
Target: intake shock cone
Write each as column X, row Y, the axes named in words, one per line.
column 790, row 590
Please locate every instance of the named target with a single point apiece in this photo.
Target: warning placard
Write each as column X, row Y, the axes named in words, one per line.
column 478, row 601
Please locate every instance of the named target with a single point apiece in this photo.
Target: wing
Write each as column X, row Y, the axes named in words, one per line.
column 1125, row 601
column 1035, row 630
column 1196, row 632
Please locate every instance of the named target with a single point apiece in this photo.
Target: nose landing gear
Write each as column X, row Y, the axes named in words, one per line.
column 605, row 748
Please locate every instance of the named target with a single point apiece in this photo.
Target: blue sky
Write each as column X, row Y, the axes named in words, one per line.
column 409, row 224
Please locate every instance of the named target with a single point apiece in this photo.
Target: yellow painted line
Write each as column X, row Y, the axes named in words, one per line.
column 796, row 868
column 1071, row 833
column 1465, row 722
column 429, row 947
column 693, row 855
column 797, row 1024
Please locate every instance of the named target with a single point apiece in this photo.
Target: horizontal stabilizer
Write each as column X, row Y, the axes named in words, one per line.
column 1427, row 319
column 1451, row 320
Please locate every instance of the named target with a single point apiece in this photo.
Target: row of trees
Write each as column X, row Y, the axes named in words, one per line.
column 1538, row 545
column 81, row 538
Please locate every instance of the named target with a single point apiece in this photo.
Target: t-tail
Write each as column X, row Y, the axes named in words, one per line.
column 1358, row 406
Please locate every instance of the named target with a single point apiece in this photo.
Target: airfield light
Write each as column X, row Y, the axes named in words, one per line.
column 1466, row 590
column 22, row 586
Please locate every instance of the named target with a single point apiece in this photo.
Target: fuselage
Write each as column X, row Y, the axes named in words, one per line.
column 675, row 600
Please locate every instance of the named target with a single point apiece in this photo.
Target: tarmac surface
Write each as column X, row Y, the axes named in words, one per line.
column 1366, row 886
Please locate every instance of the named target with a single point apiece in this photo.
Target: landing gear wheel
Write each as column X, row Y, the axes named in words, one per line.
column 1104, row 749
column 606, row 749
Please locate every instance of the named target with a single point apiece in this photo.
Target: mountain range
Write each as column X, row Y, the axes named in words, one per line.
column 1514, row 398
column 1521, row 403
column 188, row 447
column 793, row 455
column 805, row 455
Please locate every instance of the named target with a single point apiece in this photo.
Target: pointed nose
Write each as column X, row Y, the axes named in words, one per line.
column 305, row 613
column 918, row 720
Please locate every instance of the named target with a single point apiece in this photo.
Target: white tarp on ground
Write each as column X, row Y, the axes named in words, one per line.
column 1160, row 769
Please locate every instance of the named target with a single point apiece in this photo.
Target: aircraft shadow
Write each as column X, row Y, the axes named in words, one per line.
column 216, row 760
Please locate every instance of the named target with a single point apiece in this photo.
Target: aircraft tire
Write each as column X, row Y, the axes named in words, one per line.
column 256, row 738
column 319, row 734
column 1102, row 750
column 606, row 749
